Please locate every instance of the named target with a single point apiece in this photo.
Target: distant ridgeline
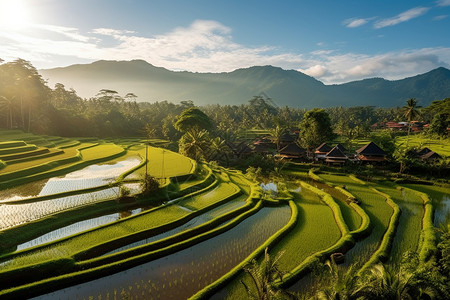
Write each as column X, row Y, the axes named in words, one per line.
column 286, row 87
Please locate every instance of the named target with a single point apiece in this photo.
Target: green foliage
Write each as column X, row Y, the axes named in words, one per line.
column 385, row 140
column 192, row 119
column 439, row 124
column 263, row 277
column 195, row 144
column 382, row 253
column 150, row 185
column 315, row 128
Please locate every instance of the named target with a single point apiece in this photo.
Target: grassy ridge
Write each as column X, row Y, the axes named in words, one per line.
column 382, row 253
column 86, row 156
column 427, row 243
column 213, row 287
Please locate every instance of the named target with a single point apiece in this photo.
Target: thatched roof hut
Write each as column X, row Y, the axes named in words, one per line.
column 423, row 151
column 371, row 153
column 261, row 148
column 341, row 147
column 324, row 148
column 292, row 151
column 336, row 156
column 242, row 149
column 430, row 156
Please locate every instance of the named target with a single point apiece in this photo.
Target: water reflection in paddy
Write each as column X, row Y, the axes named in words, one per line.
column 76, row 228
column 223, row 209
column 180, row 275
column 91, row 176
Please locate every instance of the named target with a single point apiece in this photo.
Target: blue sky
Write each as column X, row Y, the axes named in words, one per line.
column 333, row 41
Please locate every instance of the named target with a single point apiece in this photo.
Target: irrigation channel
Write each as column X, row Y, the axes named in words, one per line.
column 180, row 275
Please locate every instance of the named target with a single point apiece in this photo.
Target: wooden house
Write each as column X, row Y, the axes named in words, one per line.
column 371, row 153
column 430, row 156
column 293, row 151
column 261, row 149
column 242, row 150
column 336, row 156
column 341, row 147
column 321, row 151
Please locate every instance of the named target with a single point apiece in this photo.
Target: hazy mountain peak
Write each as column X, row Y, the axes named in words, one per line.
column 286, row 87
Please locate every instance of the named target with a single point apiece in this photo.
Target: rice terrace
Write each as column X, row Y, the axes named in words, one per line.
column 295, row 150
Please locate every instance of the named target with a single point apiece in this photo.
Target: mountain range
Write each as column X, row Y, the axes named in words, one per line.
column 284, row 87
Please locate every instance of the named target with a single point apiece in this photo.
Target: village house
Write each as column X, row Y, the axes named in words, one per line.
column 371, row 153
column 336, row 156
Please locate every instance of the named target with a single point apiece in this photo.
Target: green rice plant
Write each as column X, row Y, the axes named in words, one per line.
column 428, row 242
column 382, row 253
column 214, row 286
column 419, row 140
column 12, row 144
column 313, row 176
column 364, row 227
column 332, row 204
column 439, row 196
column 62, row 166
column 74, row 244
column 29, row 253
column 163, row 163
column 146, row 224
column 376, row 208
column 16, row 150
column 315, row 230
column 410, row 222
column 69, row 144
column 26, row 165
column 27, row 154
column 219, row 193
column 17, row 214
column 356, row 179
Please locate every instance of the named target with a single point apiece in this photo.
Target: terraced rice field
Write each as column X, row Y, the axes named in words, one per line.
column 63, row 224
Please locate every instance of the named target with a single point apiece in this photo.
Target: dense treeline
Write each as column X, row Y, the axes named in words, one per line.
column 26, row 102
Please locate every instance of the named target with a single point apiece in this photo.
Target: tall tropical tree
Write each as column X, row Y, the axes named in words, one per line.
column 340, row 284
column 192, row 119
column 8, row 105
column 263, row 277
column 398, row 283
column 315, row 128
column 411, row 112
column 195, row 144
column 276, row 135
column 219, row 150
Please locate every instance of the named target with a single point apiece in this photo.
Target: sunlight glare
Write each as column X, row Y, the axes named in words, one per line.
column 13, row 14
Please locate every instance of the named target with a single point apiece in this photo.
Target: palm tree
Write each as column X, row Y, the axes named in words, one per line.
column 398, row 283
column 263, row 276
column 218, row 149
column 195, row 144
column 342, row 285
column 8, row 104
column 410, row 111
column 276, row 135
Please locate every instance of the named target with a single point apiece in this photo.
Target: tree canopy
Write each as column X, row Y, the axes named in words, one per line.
column 192, row 118
column 315, row 128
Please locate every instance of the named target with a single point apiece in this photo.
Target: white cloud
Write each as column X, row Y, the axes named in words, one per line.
column 316, row 71
column 391, row 65
column 208, row 46
column 66, row 31
column 111, row 32
column 441, row 17
column 443, row 3
column 353, row 23
column 403, row 17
